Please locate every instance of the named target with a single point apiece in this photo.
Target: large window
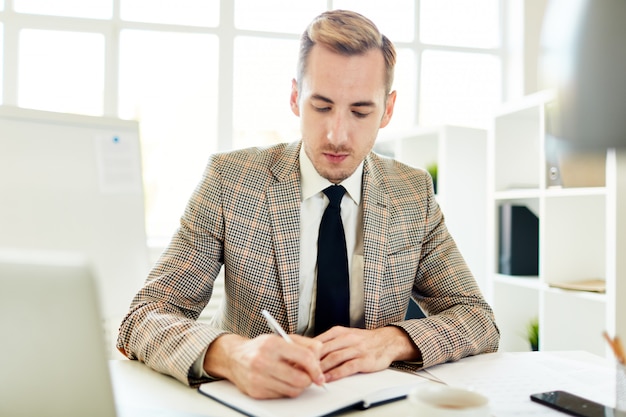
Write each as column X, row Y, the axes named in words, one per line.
column 208, row 75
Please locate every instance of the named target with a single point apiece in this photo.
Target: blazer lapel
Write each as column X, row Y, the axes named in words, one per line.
column 375, row 231
column 284, row 211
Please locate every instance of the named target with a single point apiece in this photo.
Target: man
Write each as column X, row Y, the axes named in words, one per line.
column 257, row 212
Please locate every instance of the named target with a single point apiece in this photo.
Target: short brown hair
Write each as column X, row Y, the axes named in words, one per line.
column 347, row 33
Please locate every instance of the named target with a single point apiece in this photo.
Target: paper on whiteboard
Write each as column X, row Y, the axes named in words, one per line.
column 119, row 164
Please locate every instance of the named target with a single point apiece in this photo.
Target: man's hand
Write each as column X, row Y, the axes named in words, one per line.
column 267, row 366
column 347, row 351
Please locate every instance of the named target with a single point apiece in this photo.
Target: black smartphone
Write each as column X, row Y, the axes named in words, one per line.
column 574, row 405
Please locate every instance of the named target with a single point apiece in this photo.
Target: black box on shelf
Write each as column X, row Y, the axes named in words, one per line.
column 518, row 241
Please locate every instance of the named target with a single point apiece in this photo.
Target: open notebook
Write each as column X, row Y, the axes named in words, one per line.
column 361, row 390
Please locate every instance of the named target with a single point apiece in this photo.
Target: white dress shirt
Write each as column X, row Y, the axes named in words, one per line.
column 314, row 202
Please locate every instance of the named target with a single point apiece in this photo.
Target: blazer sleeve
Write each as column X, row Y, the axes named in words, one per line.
column 161, row 328
column 459, row 321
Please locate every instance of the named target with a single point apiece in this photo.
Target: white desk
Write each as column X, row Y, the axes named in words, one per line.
column 139, row 391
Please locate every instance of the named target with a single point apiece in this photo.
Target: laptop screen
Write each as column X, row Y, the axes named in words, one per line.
column 52, row 354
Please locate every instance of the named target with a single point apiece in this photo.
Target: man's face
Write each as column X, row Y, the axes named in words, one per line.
column 341, row 105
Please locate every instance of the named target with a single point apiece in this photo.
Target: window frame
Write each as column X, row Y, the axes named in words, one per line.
column 226, row 32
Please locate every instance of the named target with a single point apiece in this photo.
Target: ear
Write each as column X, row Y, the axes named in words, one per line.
column 294, row 98
column 391, row 101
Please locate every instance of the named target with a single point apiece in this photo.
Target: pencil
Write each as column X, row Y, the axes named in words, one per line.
column 616, row 347
column 621, row 357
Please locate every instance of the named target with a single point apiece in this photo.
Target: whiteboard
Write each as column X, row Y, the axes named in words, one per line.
column 74, row 183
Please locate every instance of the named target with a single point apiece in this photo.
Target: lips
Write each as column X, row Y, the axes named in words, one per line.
column 335, row 158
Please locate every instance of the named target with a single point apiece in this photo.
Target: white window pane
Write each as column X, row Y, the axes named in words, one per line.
column 277, row 15
column 61, row 71
column 263, row 72
column 405, row 84
column 459, row 88
column 179, row 12
column 460, row 23
column 97, row 9
column 168, row 81
column 394, row 18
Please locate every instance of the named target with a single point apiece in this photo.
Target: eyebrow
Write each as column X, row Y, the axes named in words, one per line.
column 356, row 104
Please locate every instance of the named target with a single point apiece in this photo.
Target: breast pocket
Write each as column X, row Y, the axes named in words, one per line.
column 397, row 283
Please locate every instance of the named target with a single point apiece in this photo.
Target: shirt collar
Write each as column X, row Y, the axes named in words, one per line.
column 313, row 183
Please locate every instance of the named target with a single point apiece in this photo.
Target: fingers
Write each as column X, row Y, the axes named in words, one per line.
column 338, row 338
column 342, row 353
column 311, row 365
column 313, row 345
column 269, row 367
column 347, row 351
column 308, row 358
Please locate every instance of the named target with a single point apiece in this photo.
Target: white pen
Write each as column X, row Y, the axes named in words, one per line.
column 271, row 321
column 276, row 328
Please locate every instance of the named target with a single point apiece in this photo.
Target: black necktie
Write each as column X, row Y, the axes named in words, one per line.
column 332, row 305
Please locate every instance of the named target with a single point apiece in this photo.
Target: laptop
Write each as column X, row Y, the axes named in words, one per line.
column 53, row 360
column 52, row 354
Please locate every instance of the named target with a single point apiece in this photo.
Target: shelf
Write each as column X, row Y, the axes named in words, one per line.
column 527, row 193
column 573, row 192
column 587, row 295
column 517, row 194
column 531, row 282
column 581, row 237
column 535, row 283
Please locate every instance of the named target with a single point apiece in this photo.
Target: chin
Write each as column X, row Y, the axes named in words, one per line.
column 334, row 174
column 336, row 177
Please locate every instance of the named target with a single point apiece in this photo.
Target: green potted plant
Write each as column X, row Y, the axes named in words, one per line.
column 532, row 333
column 432, row 170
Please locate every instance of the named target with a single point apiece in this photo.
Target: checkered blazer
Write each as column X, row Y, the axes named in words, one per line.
column 245, row 215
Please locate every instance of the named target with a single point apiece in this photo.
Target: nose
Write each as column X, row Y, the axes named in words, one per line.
column 337, row 129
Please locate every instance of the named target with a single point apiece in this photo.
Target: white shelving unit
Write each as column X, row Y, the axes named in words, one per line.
column 582, row 231
column 461, row 157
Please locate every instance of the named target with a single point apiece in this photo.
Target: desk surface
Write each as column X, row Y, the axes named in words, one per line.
column 140, row 392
